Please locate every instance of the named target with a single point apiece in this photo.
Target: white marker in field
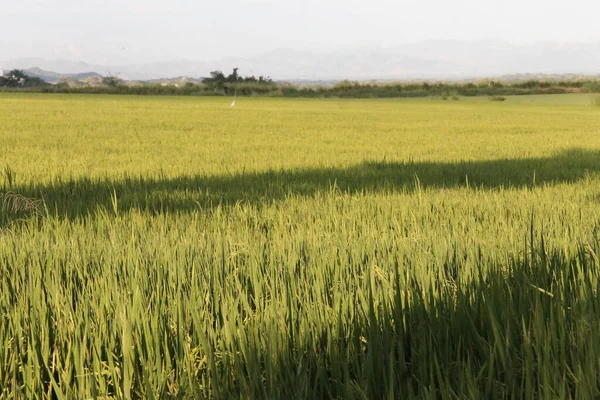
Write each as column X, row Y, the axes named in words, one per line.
column 234, row 97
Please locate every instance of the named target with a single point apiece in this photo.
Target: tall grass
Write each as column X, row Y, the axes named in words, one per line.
column 299, row 249
column 161, row 310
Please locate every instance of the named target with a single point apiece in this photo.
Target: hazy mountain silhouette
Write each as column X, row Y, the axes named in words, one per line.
column 426, row 59
column 53, row 77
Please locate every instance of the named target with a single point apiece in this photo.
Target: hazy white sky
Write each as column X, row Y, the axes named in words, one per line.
column 113, row 31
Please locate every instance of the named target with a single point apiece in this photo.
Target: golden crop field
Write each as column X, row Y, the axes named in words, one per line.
column 170, row 247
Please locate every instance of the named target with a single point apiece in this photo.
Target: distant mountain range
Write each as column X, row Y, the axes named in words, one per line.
column 53, row 77
column 444, row 59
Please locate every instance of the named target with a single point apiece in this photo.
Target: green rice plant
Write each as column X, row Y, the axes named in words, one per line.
column 9, row 176
column 299, row 248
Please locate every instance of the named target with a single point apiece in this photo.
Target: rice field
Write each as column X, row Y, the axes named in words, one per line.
column 177, row 248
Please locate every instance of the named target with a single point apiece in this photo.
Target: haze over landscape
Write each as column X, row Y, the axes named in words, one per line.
column 309, row 40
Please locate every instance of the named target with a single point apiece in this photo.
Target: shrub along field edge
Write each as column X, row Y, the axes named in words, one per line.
column 344, row 89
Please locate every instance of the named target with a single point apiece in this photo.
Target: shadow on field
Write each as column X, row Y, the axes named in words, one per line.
column 75, row 198
column 499, row 336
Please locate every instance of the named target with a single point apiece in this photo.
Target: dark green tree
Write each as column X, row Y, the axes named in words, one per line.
column 217, row 78
column 234, row 76
column 15, row 78
column 111, row 81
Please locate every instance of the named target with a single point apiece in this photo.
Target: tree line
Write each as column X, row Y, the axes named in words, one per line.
column 19, row 79
column 218, row 79
column 219, row 84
